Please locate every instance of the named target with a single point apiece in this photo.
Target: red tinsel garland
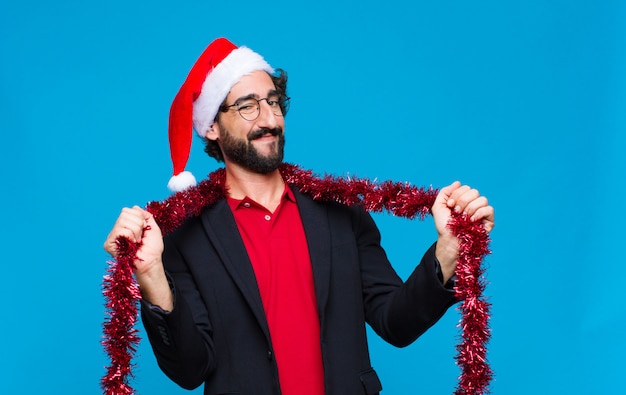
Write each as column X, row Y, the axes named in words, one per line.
column 401, row 199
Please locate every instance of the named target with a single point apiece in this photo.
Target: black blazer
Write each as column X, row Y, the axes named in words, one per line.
column 217, row 333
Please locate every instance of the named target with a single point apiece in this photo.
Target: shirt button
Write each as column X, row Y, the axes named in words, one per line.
column 267, row 217
column 246, row 204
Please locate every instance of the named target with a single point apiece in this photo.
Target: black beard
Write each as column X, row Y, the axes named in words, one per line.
column 243, row 153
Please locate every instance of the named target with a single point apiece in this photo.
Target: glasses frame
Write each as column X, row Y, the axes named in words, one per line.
column 283, row 104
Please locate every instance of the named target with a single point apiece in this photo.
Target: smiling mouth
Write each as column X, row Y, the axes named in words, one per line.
column 257, row 134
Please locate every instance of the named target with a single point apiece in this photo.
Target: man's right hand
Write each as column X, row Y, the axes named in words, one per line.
column 138, row 225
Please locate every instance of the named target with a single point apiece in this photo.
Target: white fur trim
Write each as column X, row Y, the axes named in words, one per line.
column 181, row 181
column 228, row 72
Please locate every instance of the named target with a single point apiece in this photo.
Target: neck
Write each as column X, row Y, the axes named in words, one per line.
column 265, row 189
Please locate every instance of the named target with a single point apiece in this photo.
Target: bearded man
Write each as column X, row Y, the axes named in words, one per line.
column 268, row 291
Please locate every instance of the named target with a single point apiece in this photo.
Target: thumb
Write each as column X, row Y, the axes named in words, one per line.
column 150, row 224
column 445, row 193
column 149, row 218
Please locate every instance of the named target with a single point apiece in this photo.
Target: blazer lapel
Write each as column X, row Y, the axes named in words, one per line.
column 222, row 230
column 317, row 229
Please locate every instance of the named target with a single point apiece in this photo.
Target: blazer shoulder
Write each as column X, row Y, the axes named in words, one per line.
column 306, row 200
column 191, row 225
column 334, row 212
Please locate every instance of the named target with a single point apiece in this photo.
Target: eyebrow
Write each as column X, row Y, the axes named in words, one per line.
column 271, row 92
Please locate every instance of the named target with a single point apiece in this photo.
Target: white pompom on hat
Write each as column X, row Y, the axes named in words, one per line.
column 221, row 65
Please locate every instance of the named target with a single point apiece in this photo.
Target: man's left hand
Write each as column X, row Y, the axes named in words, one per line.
column 460, row 199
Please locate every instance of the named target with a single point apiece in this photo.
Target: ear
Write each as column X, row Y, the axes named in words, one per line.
column 213, row 133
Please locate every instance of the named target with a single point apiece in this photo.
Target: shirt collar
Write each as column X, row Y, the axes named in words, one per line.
column 236, row 204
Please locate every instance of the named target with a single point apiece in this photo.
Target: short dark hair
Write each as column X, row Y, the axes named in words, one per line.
column 212, row 148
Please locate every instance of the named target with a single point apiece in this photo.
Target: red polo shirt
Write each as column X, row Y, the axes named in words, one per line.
column 279, row 253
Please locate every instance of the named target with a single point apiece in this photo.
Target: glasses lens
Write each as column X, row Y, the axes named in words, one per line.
column 249, row 109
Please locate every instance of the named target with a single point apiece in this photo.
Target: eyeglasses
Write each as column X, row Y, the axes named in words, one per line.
column 250, row 108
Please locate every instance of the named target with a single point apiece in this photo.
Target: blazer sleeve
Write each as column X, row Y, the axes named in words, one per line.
column 398, row 311
column 181, row 339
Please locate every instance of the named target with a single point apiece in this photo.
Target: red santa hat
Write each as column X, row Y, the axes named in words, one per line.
column 221, row 65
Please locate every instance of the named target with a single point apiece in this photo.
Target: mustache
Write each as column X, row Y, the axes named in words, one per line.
column 262, row 132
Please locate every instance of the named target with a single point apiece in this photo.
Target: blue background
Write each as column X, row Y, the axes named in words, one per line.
column 523, row 100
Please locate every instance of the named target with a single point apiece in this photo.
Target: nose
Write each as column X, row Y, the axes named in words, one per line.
column 267, row 119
